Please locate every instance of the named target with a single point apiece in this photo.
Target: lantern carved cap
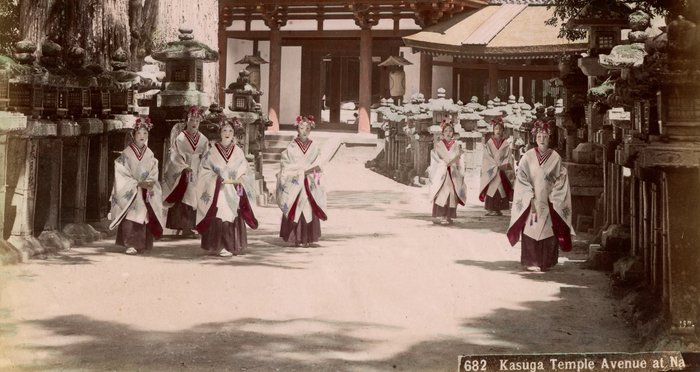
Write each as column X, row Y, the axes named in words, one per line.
column 398, row 61
column 24, row 52
column 253, row 59
column 120, row 60
column 186, row 48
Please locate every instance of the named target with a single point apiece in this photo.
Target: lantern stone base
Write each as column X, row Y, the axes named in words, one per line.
column 27, row 246
column 9, row 254
column 81, row 233
column 628, row 270
column 53, row 240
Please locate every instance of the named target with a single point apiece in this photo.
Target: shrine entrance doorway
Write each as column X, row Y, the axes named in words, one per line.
column 330, row 75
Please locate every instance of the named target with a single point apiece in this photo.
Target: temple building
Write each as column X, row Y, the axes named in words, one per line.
column 324, row 55
column 499, row 50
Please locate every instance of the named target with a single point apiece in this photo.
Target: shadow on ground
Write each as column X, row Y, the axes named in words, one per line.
column 561, row 325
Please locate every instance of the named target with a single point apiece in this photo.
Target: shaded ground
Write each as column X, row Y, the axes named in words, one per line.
column 385, row 290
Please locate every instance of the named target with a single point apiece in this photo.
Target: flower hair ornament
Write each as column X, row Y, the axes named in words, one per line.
column 195, row 112
column 540, row 126
column 308, row 119
column 143, row 123
column 234, row 122
column 446, row 122
column 496, row 122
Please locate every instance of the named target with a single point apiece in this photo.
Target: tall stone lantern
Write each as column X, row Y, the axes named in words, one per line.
column 184, row 74
column 604, row 22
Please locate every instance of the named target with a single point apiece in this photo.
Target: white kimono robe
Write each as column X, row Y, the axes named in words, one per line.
column 446, row 182
column 542, row 177
column 186, row 152
column 216, row 166
column 493, row 179
column 128, row 199
column 294, row 188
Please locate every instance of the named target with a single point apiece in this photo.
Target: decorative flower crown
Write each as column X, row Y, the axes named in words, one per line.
column 234, row 122
column 195, row 112
column 540, row 126
column 309, row 119
column 497, row 121
column 143, row 123
column 446, row 121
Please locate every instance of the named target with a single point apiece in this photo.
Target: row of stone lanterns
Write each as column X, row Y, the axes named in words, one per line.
column 64, row 124
column 411, row 129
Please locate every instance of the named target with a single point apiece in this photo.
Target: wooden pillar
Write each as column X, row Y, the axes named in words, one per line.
column 493, row 80
column 47, row 218
column 53, row 222
column 365, row 80
column 223, row 51
column 426, row 75
column 275, row 77
column 81, row 181
column 333, row 97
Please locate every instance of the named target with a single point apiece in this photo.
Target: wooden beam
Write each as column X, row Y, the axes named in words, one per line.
column 502, row 67
column 326, row 3
column 349, row 34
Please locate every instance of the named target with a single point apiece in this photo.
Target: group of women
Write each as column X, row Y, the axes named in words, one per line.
column 540, row 215
column 209, row 186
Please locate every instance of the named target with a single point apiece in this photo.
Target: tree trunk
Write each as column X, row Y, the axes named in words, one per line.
column 143, row 19
column 32, row 19
column 137, row 26
column 98, row 26
column 203, row 17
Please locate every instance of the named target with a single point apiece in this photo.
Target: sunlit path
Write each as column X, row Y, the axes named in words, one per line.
column 384, row 290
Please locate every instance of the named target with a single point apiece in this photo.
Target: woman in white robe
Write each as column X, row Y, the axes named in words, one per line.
column 496, row 188
column 181, row 174
column 446, row 173
column 541, row 213
column 136, row 207
column 300, row 191
column 225, row 188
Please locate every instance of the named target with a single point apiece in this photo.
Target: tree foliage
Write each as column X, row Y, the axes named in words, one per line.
column 9, row 25
column 564, row 10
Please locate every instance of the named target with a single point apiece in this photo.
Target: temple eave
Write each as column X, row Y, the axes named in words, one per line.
column 486, row 52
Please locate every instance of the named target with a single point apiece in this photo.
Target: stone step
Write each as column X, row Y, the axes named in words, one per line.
column 276, row 143
column 274, row 150
column 269, row 156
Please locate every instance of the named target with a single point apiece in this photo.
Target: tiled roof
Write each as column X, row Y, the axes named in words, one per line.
column 506, row 31
column 528, row 2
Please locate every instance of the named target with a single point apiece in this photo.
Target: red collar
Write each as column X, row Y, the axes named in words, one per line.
column 448, row 144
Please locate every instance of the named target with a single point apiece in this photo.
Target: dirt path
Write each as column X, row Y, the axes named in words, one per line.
column 385, row 290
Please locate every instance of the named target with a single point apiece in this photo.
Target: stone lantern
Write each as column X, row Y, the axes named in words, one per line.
column 123, row 93
column 397, row 76
column 5, row 62
column 253, row 61
column 184, row 71
column 25, row 96
column 491, row 112
column 442, row 107
column 245, row 95
column 603, row 21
